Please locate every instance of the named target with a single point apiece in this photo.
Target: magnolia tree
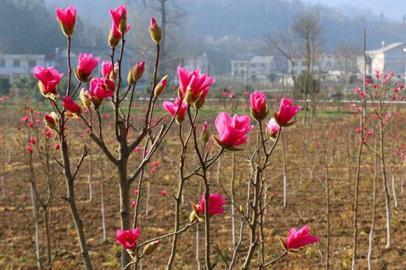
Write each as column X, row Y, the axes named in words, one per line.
column 147, row 131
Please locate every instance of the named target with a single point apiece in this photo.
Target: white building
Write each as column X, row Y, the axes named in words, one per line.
column 198, row 62
column 239, row 68
column 323, row 63
column 256, row 68
column 390, row 58
column 14, row 66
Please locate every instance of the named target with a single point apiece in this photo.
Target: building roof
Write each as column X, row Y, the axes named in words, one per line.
column 257, row 59
column 387, row 48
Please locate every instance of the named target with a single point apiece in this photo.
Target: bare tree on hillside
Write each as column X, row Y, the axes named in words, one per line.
column 306, row 27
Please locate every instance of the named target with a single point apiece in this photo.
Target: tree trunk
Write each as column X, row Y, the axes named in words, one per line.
column 124, row 206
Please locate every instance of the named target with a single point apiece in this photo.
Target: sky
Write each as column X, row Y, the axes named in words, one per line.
column 392, row 9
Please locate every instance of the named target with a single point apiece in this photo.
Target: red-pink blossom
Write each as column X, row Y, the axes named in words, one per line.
column 70, row 105
column 198, row 84
column 119, row 17
column 162, row 192
column 300, row 238
column 107, row 68
column 360, row 93
column 57, row 146
column 133, row 203
column 66, row 19
column 101, row 88
column 232, row 131
column 32, row 140
column 216, row 204
column 128, row 238
column 86, row 64
column 155, row 164
column 25, row 118
column 48, row 133
column 258, row 105
column 286, row 112
column 178, row 108
column 273, row 127
column 49, row 78
column 29, row 149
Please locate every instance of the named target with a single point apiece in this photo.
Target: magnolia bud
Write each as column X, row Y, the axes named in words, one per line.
column 130, row 78
column 155, row 31
column 148, row 249
column 161, row 86
column 113, row 40
column 96, row 102
column 199, row 102
column 85, row 98
column 188, row 97
column 41, row 88
column 51, row 120
column 114, row 74
column 259, row 116
column 123, row 25
column 136, row 72
column 81, row 76
column 205, row 133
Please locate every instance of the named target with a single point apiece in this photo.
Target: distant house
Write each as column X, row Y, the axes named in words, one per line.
column 390, row 58
column 197, row 62
column 13, row 66
column 239, row 68
column 323, row 63
column 58, row 59
column 255, row 69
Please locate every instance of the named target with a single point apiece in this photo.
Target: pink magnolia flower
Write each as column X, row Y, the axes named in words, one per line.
column 178, row 108
column 48, row 78
column 32, row 140
column 162, row 192
column 197, row 83
column 87, row 63
column 135, row 191
column 301, row 238
column 232, row 130
column 133, row 204
column 232, row 94
column 66, row 19
column 216, row 204
column 119, row 17
column 24, row 118
column 48, row 133
column 273, row 127
column 57, row 146
column 155, row 164
column 258, row 105
column 29, row 149
column 286, row 112
column 116, row 35
column 360, row 93
column 101, row 88
column 107, row 68
column 71, row 106
column 128, row 238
